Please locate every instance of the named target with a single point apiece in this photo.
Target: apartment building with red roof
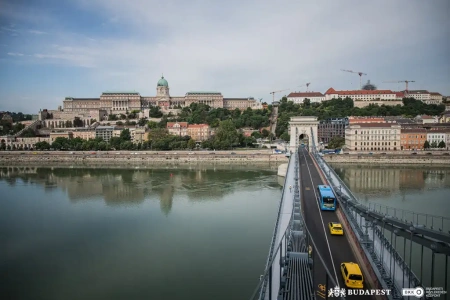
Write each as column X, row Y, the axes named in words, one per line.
column 299, row 97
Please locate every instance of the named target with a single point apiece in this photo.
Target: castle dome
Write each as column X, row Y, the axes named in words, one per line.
column 163, row 82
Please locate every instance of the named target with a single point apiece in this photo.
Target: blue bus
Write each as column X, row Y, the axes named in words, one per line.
column 327, row 200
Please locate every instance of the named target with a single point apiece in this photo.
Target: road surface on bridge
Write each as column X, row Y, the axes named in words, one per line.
column 333, row 249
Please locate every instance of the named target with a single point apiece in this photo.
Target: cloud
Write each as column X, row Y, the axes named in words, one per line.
column 241, row 48
column 14, row 54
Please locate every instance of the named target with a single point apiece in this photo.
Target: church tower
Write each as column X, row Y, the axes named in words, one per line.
column 162, row 88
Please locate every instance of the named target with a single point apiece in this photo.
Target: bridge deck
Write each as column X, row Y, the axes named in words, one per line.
column 334, row 249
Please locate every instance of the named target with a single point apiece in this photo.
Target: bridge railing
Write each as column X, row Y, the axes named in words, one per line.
column 274, row 235
column 430, row 221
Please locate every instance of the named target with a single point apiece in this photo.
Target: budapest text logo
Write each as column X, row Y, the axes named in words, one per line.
column 338, row 292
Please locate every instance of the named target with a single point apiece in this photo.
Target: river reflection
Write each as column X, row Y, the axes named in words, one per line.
column 422, row 190
column 419, row 189
column 181, row 233
column 133, row 186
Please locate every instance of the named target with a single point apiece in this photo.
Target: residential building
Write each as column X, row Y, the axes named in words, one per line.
column 329, row 128
column 139, row 135
column 122, row 102
column 61, row 134
column 413, row 139
column 84, row 133
column 298, row 97
column 399, row 95
column 199, row 132
column 424, row 119
column 359, row 120
column 372, row 137
column 435, row 98
column 426, row 96
column 177, row 128
column 422, row 95
column 104, row 132
column 12, row 142
column 400, row 120
column 445, row 117
column 437, row 136
column 362, row 98
column 241, row 103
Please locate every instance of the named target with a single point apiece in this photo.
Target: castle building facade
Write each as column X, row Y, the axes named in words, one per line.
column 122, row 102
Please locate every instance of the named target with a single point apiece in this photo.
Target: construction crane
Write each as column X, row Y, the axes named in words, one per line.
column 359, row 73
column 405, row 81
column 307, row 85
column 274, row 92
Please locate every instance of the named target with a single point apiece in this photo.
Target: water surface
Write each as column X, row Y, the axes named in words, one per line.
column 135, row 234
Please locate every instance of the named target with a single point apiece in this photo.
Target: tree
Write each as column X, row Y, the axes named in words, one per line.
column 77, row 122
column 125, row 135
column 426, row 145
column 434, row 144
column 256, row 135
column 152, row 124
column 306, row 102
column 112, row 118
column 142, row 121
column 265, row 132
column 285, row 136
column 191, row 144
column 441, row 144
column 155, row 112
column 226, row 136
column 337, row 142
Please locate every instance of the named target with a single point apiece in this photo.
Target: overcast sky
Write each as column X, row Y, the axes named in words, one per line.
column 51, row 49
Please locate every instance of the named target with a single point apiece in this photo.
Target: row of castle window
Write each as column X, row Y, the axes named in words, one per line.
column 365, row 132
column 371, row 143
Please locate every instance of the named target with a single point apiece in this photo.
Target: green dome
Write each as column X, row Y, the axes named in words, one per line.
column 163, row 82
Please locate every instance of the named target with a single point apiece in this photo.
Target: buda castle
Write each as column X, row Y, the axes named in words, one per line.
column 123, row 102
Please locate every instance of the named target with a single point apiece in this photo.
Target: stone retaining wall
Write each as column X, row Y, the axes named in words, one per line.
column 389, row 159
column 140, row 159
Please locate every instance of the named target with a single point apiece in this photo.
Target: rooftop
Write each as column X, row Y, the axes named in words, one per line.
column 83, row 99
column 120, row 92
column 379, row 125
column 306, row 94
column 203, row 93
column 104, row 127
column 418, row 92
column 242, row 99
column 414, row 130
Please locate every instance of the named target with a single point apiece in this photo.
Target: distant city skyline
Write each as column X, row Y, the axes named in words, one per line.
column 50, row 50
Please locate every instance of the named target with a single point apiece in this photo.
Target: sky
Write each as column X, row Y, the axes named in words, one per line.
column 52, row 49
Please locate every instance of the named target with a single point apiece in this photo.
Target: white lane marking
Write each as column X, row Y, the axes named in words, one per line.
column 323, row 224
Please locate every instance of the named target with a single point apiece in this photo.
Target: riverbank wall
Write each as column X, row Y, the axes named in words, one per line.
column 389, row 159
column 140, row 158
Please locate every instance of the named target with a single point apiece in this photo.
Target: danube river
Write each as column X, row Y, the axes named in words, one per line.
column 198, row 233
column 135, row 234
